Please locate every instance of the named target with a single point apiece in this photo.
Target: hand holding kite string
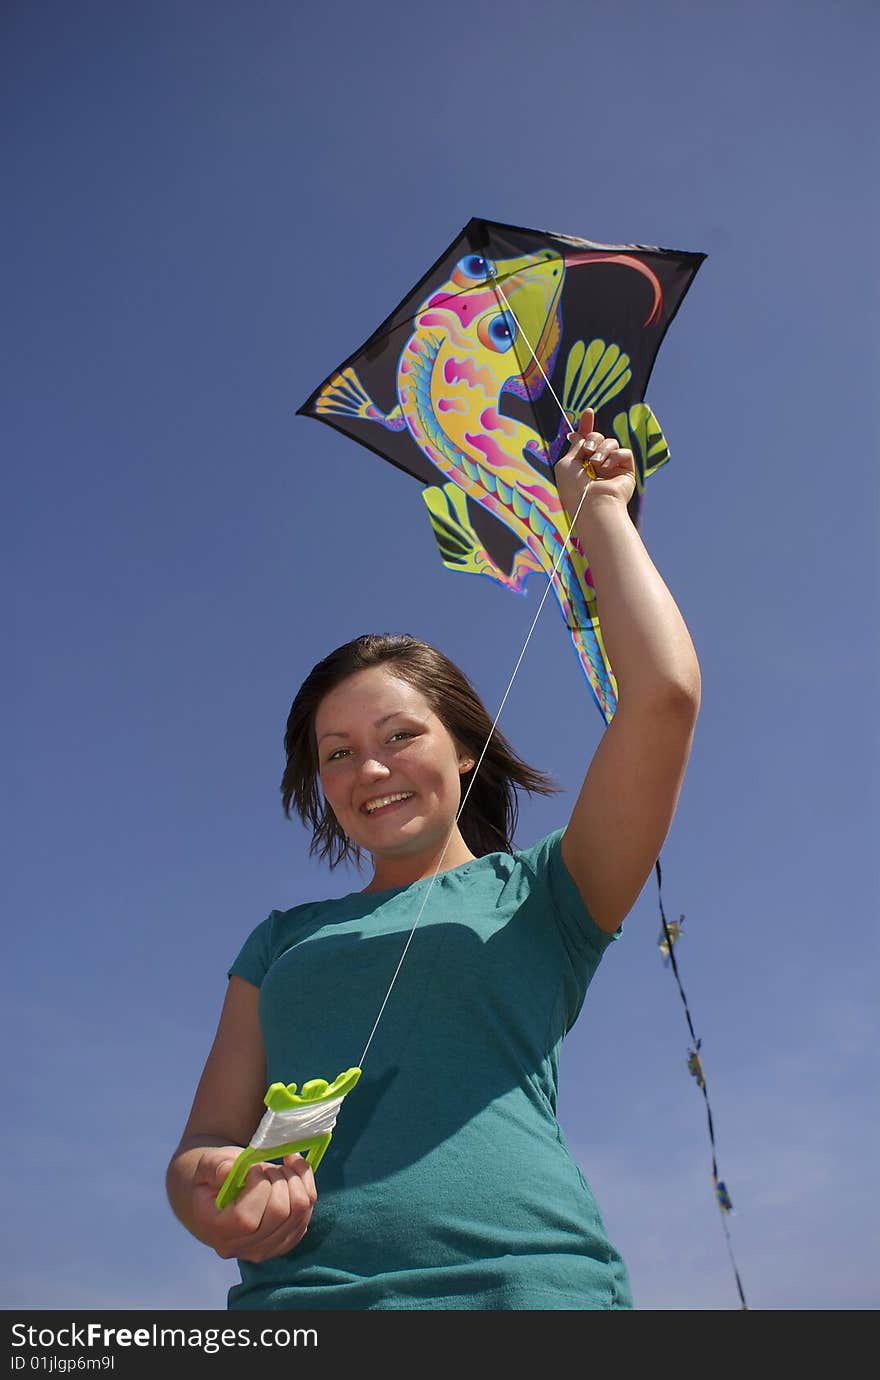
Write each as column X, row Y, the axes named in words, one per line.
column 593, row 459
column 269, row 1216
column 300, row 1122
column 244, row 1206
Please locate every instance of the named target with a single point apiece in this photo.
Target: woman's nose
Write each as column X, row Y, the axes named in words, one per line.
column 373, row 767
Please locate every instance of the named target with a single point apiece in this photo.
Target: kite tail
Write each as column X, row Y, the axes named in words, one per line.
column 579, row 612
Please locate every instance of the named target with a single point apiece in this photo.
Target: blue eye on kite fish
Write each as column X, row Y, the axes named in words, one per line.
column 499, row 332
column 475, row 266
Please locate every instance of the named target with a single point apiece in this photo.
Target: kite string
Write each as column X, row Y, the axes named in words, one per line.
column 550, row 584
column 703, row 1084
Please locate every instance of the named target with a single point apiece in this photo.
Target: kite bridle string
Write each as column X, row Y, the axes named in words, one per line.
column 550, row 584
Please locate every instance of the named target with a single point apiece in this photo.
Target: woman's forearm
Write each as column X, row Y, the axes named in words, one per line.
column 181, row 1173
column 645, row 636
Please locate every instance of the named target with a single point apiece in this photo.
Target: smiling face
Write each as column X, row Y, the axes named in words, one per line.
column 378, row 736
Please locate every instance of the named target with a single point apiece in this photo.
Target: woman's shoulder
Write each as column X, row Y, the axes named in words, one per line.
column 291, row 917
column 280, row 929
column 537, row 855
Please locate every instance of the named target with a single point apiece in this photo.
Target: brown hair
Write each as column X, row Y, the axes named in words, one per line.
column 489, row 818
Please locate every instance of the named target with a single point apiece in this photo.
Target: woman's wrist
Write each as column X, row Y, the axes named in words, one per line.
column 181, row 1174
column 599, row 507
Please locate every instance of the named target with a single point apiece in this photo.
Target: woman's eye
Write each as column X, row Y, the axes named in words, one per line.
column 401, row 733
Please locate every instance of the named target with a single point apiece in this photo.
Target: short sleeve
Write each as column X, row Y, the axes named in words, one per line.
column 256, row 953
column 581, row 936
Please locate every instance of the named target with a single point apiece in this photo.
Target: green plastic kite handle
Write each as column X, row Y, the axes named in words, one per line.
column 280, row 1098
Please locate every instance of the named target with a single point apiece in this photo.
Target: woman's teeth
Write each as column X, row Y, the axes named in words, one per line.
column 384, row 801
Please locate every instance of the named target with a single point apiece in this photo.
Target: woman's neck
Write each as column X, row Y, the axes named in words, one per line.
column 390, row 872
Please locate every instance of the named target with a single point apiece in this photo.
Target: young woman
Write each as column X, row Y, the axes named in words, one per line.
column 448, row 1184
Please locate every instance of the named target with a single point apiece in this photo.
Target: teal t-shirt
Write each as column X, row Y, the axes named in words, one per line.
column 448, row 1182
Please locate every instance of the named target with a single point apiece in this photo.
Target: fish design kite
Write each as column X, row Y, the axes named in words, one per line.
column 472, row 384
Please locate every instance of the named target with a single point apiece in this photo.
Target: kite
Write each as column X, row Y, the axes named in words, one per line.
column 474, row 381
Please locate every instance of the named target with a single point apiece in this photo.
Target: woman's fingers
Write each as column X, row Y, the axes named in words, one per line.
column 301, row 1169
column 285, row 1218
column 592, row 456
column 583, row 448
column 587, row 440
column 604, row 451
column 593, row 447
column 272, row 1211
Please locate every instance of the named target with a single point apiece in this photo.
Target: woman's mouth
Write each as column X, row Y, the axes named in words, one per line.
column 396, row 803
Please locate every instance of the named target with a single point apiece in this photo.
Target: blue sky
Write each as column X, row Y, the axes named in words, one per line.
column 208, row 206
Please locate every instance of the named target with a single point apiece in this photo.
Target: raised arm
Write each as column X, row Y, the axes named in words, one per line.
column 627, row 802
